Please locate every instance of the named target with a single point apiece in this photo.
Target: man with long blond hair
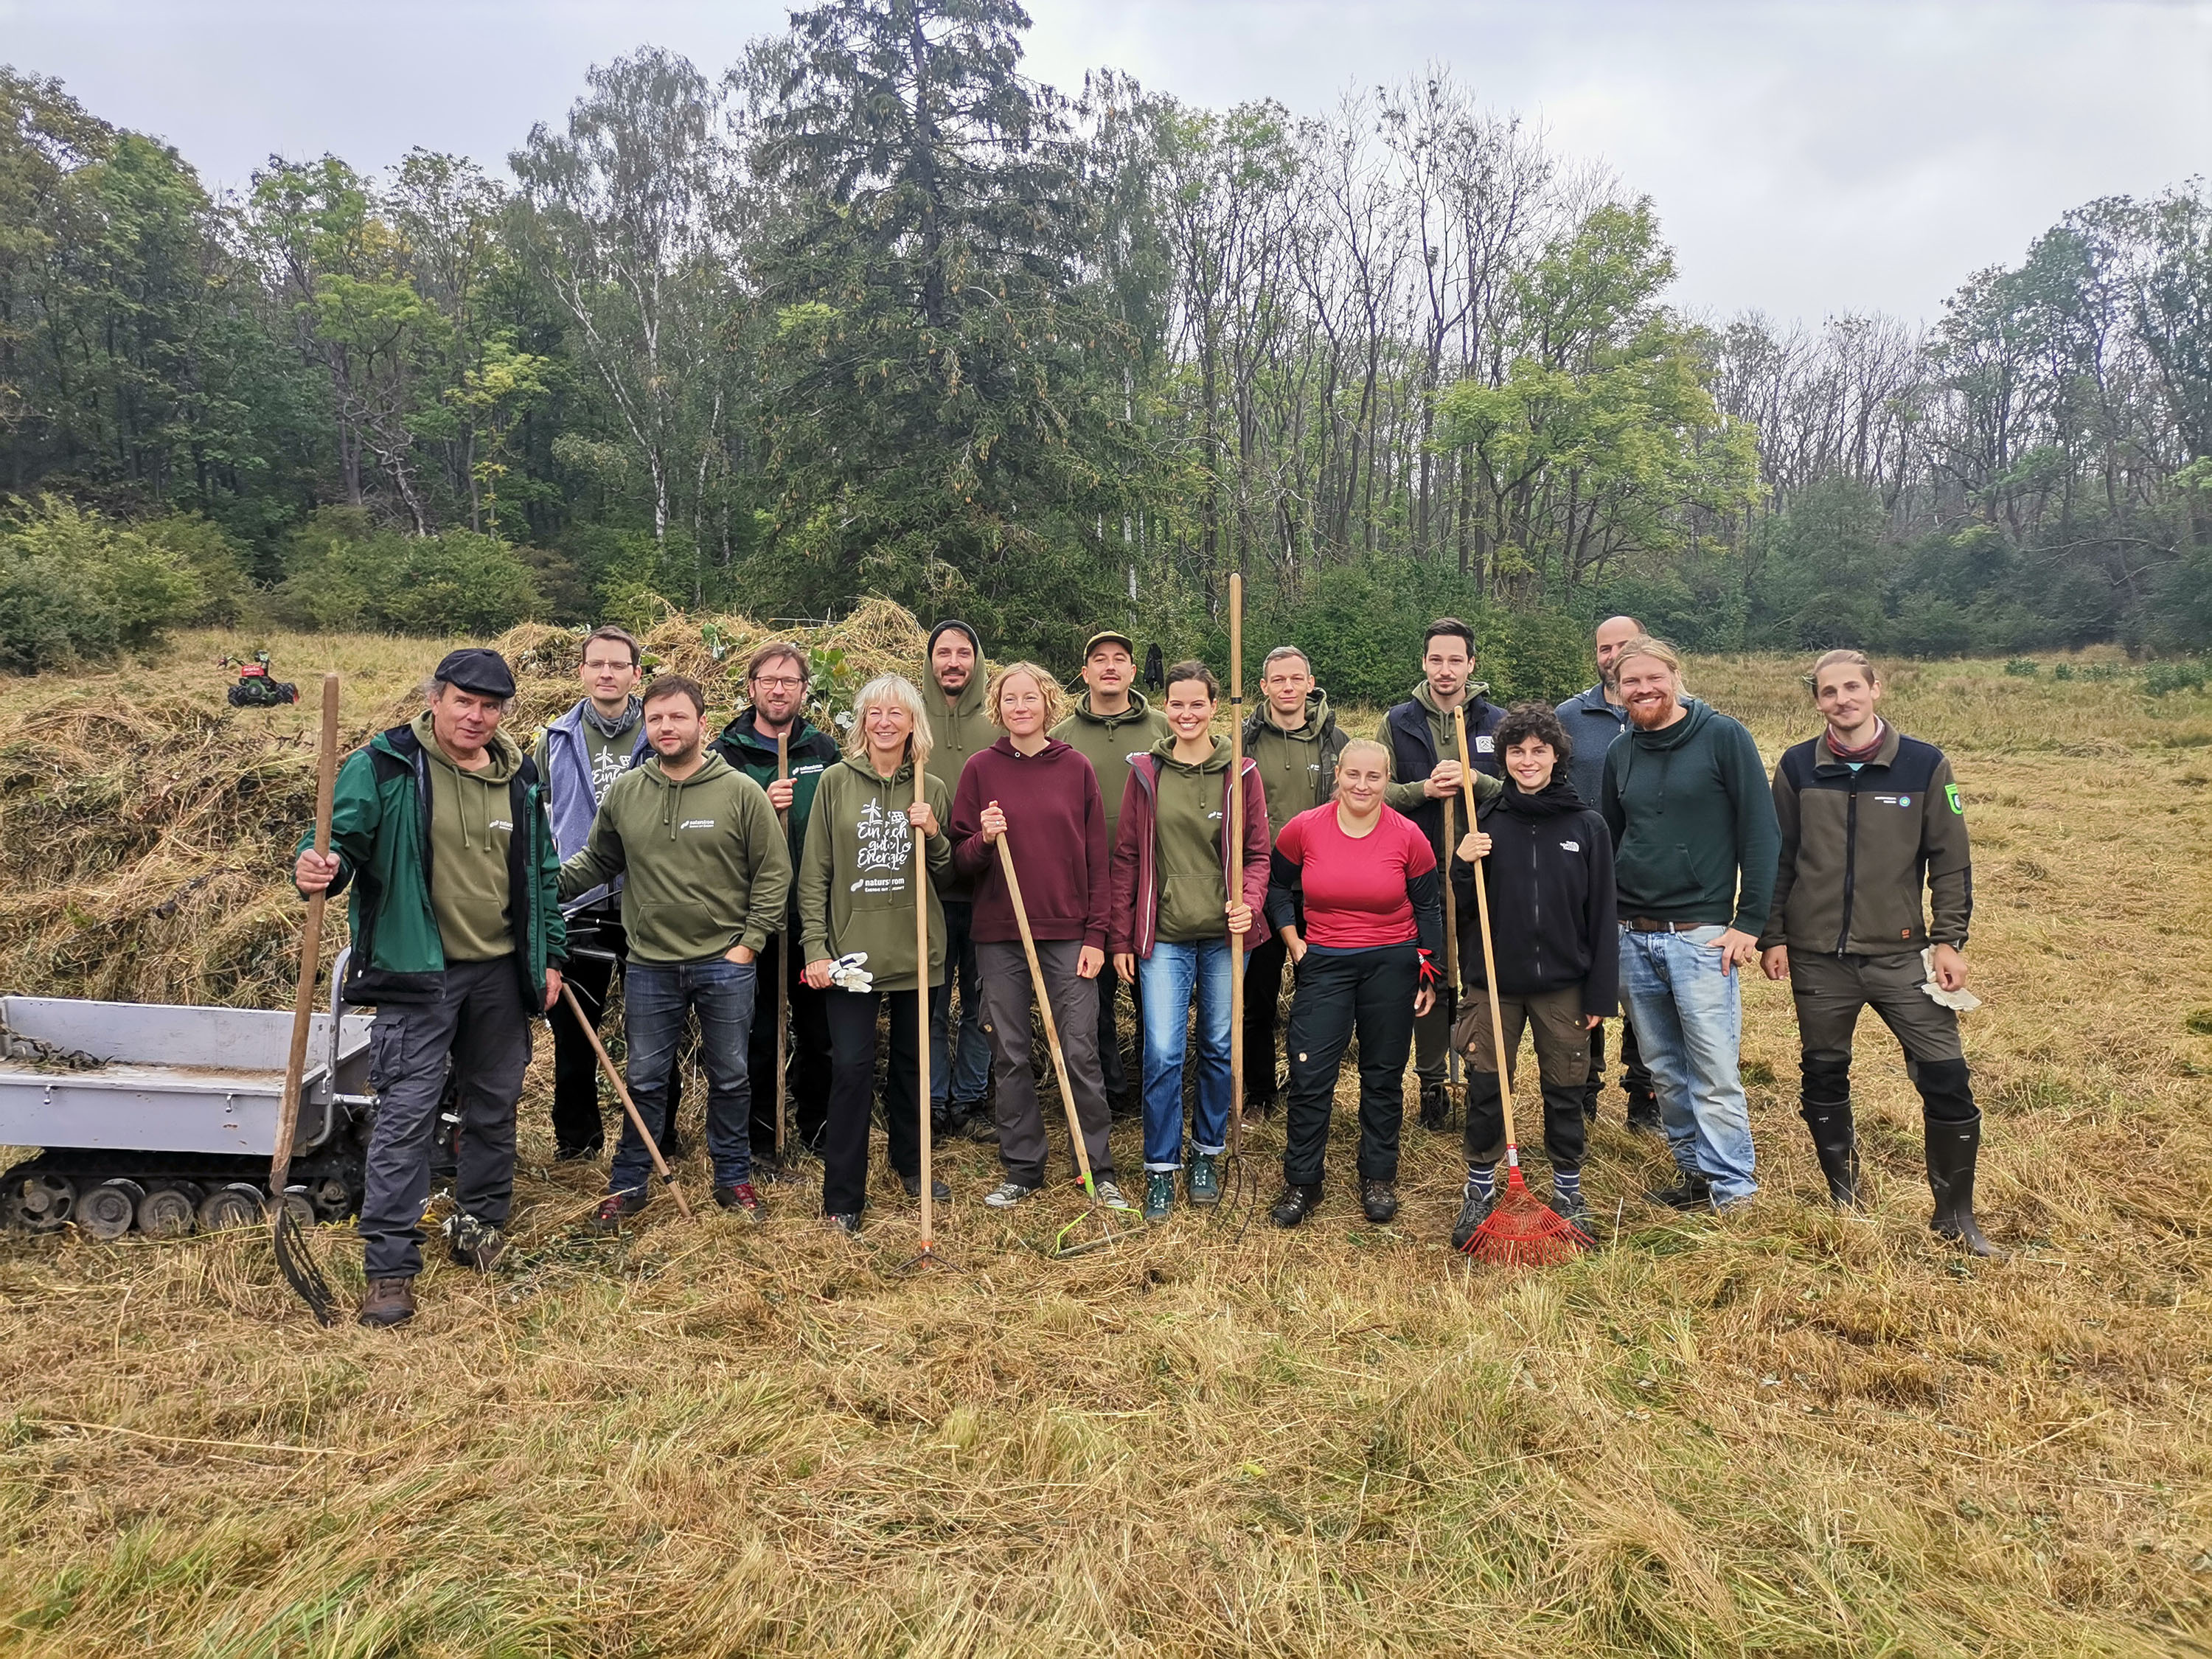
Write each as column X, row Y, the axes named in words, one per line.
column 1041, row 796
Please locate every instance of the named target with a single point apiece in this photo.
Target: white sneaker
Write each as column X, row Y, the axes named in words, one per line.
column 1007, row 1193
column 1110, row 1194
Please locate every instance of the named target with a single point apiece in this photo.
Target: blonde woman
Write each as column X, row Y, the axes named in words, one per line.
column 856, row 895
column 1043, row 796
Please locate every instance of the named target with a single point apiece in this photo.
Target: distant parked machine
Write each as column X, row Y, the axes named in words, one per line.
column 162, row 1118
column 257, row 687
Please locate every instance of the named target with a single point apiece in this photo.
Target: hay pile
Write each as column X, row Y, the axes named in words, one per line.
column 145, row 825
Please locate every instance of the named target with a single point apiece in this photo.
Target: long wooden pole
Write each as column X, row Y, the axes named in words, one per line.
column 311, row 950
column 1489, row 961
column 1233, row 823
column 921, row 1008
column 783, row 963
column 621, row 1089
column 1044, row 1012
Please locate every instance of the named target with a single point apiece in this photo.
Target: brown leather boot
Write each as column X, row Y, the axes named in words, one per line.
column 389, row 1301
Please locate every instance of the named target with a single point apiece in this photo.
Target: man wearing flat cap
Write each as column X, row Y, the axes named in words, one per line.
column 1112, row 722
column 439, row 827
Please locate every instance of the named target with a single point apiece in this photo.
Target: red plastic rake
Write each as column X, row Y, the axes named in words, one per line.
column 1519, row 1232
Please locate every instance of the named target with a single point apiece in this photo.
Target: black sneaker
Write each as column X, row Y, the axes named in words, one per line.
column 1571, row 1208
column 1296, row 1204
column 613, row 1207
column 1379, row 1200
column 1643, row 1115
column 1474, row 1208
column 577, row 1154
column 844, row 1221
column 1691, row 1191
column 1435, row 1106
column 740, row 1197
column 938, row 1189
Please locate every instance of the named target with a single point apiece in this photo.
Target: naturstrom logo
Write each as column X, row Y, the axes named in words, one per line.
column 696, row 824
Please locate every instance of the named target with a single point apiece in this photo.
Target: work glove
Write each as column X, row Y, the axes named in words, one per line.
column 848, row 975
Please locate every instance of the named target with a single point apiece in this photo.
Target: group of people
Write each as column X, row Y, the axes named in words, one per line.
column 1629, row 847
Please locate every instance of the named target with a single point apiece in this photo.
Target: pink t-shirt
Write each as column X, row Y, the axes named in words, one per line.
column 1355, row 890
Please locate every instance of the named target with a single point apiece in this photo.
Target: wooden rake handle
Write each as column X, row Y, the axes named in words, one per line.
column 311, row 950
column 1044, row 1012
column 1489, row 958
column 921, row 1007
column 636, row 1118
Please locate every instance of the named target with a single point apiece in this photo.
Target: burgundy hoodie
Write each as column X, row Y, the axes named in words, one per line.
column 1056, row 823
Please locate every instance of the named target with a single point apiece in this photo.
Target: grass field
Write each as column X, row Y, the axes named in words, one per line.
column 1786, row 1432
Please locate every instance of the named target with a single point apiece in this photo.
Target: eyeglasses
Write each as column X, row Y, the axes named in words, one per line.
column 778, row 681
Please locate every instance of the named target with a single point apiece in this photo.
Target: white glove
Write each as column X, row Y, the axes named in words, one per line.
column 848, row 975
column 1961, row 1000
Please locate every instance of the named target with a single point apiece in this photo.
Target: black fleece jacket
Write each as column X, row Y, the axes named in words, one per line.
column 1553, row 915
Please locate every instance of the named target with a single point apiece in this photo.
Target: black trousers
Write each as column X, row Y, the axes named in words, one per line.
column 1263, row 995
column 852, row 1020
column 1369, row 991
column 1635, row 1078
column 598, row 947
column 1113, row 1070
column 807, row 1075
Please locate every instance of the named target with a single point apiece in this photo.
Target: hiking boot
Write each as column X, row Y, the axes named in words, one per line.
column 473, row 1244
column 613, row 1207
column 1379, row 1200
column 1435, row 1106
column 1108, row 1193
column 1643, row 1115
column 1201, row 1183
column 1004, row 1196
column 389, row 1301
column 1691, row 1191
column 938, row 1189
column 1159, row 1193
column 740, row 1196
column 577, row 1154
column 1953, row 1150
column 1474, row 1208
column 847, row 1222
column 1571, row 1208
column 1296, row 1203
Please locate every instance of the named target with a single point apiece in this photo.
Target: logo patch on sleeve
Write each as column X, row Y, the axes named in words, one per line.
column 1951, row 794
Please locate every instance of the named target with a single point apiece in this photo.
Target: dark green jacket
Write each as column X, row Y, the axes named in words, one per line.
column 1692, row 820
column 855, row 878
column 381, row 832
column 809, row 753
column 1297, row 768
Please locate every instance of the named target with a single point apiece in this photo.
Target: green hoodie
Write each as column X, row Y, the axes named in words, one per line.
column 956, row 732
column 1188, row 837
column 1693, row 819
column 704, row 861
column 469, row 823
column 1297, row 768
column 853, row 891
column 1107, row 741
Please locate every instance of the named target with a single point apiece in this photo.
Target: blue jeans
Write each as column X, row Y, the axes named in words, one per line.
column 1688, row 1016
column 967, row 1067
column 655, row 1000
column 1170, row 978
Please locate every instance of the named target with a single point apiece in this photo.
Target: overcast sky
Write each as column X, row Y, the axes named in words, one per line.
column 1805, row 158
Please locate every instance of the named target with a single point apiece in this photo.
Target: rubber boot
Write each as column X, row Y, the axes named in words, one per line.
column 1826, row 1106
column 1953, row 1139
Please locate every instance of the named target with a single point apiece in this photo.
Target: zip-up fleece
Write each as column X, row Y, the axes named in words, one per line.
column 703, row 859
column 1858, row 846
column 1108, row 741
column 809, row 753
column 1692, row 820
column 1135, row 925
column 854, row 875
column 1297, row 768
column 1419, row 734
column 1592, row 724
column 1056, row 823
column 380, row 832
column 1549, row 878
column 574, row 756
column 955, row 734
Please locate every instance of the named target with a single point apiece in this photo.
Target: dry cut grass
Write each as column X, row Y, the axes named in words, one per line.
column 1785, row 1433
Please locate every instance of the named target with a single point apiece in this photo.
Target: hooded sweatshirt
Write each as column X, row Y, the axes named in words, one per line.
column 470, row 820
column 955, row 734
column 1056, row 827
column 704, row 861
column 1145, row 840
column 1549, row 880
column 1107, row 741
column 854, row 878
column 1297, row 768
column 1691, row 814
column 1418, row 735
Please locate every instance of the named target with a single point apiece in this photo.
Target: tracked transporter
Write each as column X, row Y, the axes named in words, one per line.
column 163, row 1118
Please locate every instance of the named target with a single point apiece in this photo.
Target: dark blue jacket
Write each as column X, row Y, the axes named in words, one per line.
column 1592, row 724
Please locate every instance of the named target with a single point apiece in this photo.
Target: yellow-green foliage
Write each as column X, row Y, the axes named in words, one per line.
column 1789, row 1431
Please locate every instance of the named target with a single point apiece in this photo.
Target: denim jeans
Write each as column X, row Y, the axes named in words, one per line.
column 1177, row 973
column 655, row 1000
column 967, row 1067
column 1689, row 1026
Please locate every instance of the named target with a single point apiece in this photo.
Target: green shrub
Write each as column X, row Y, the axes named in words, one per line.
column 77, row 588
column 342, row 572
column 2063, row 670
column 2022, row 668
column 2103, row 671
column 2180, row 675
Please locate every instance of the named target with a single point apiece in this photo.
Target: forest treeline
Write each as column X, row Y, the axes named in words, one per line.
column 873, row 311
